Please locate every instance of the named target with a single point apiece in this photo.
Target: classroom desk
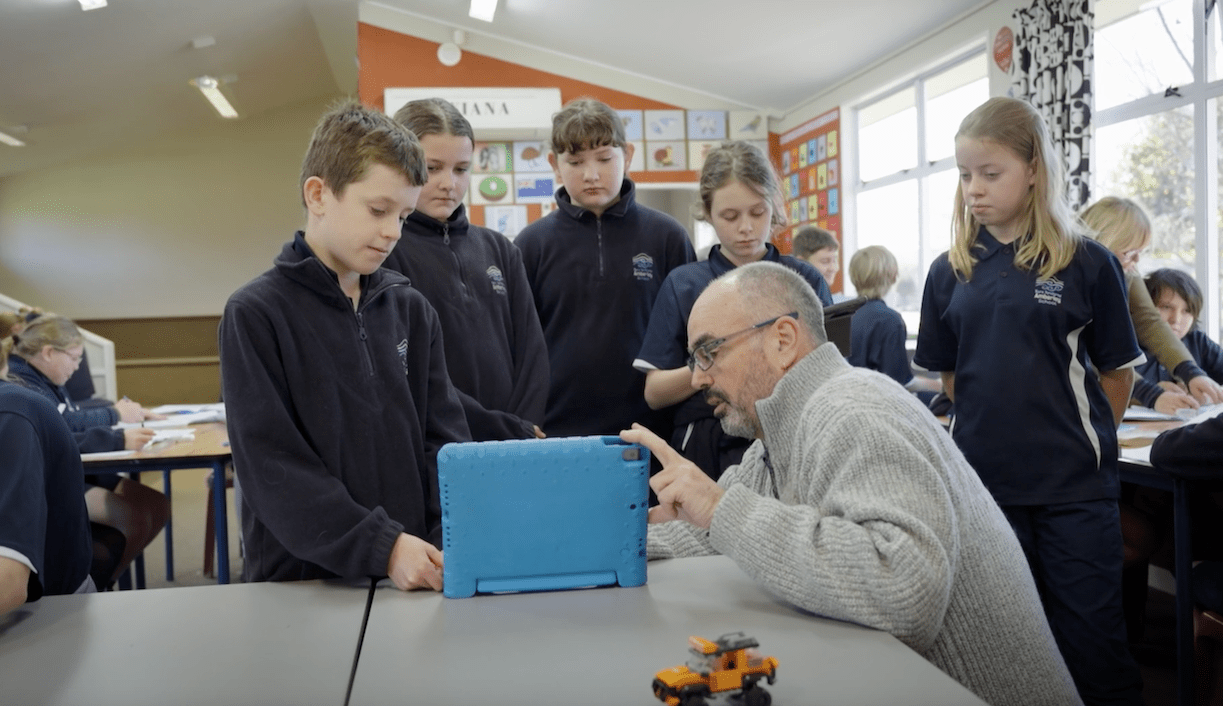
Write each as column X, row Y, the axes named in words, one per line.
column 1136, row 468
column 209, row 449
column 239, row 645
column 603, row 646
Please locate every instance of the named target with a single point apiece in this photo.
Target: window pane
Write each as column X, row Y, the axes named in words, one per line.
column 1143, row 51
column 1150, row 160
column 888, row 217
column 1216, row 41
column 940, row 195
column 949, row 97
column 887, row 136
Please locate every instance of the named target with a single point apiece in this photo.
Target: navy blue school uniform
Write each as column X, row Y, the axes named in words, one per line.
column 698, row 434
column 43, row 521
column 335, row 416
column 99, row 437
column 495, row 349
column 595, row 280
column 1034, row 421
column 1207, row 354
column 877, row 341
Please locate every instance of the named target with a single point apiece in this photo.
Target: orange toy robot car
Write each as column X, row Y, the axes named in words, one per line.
column 727, row 664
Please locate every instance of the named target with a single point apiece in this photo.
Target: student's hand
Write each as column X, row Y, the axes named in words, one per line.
column 684, row 491
column 1170, row 401
column 539, row 433
column 136, row 438
column 415, row 563
column 150, row 415
column 129, row 411
column 1205, row 390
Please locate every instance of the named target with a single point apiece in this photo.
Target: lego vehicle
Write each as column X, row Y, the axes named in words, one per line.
column 729, row 663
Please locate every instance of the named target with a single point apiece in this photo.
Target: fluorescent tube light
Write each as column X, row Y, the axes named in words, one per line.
column 10, row 140
column 211, row 88
column 483, row 9
column 88, row 5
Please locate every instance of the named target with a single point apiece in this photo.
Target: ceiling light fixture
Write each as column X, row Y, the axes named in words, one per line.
column 10, row 140
column 482, row 9
column 88, row 5
column 449, row 53
column 211, row 88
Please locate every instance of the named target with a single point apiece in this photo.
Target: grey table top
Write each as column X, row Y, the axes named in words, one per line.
column 288, row 643
column 603, row 646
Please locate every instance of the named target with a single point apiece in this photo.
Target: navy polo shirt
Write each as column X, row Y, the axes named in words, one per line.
column 1031, row 416
column 665, row 346
column 877, row 341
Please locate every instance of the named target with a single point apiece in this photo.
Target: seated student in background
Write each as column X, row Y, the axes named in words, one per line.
column 474, row 278
column 1178, row 299
column 877, row 331
column 741, row 199
column 44, row 529
column 1122, row 226
column 820, row 249
column 335, row 383
column 596, row 265
column 44, row 355
column 852, row 502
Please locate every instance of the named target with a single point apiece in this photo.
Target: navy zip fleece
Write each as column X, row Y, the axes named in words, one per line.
column 595, row 280
column 495, row 350
column 335, row 417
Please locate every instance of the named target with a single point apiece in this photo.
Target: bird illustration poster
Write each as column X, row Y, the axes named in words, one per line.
column 706, row 124
column 670, row 156
column 633, row 130
column 747, row 125
column 664, row 125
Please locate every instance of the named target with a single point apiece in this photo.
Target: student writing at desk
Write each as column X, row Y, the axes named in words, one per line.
column 1178, row 299
column 852, row 502
column 44, row 529
column 335, row 383
column 44, row 356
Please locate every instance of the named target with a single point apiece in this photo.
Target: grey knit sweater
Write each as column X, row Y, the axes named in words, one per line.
column 880, row 521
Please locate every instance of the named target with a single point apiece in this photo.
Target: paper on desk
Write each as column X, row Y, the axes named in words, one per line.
column 1193, row 416
column 169, row 436
column 189, row 408
column 1140, row 454
column 176, row 420
column 1131, row 432
column 1146, row 414
column 104, row 455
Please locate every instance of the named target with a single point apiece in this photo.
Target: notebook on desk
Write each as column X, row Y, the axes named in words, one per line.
column 543, row 514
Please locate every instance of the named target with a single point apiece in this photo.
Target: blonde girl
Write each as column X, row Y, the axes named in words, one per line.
column 741, row 198
column 1122, row 226
column 1026, row 321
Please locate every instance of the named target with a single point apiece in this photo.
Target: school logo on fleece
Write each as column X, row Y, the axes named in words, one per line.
column 496, row 278
column 402, row 349
column 643, row 267
column 1049, row 291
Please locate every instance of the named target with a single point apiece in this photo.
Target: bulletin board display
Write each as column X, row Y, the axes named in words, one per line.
column 810, row 169
column 512, row 183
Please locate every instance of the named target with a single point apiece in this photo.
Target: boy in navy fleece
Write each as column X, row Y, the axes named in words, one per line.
column 335, row 384
column 596, row 265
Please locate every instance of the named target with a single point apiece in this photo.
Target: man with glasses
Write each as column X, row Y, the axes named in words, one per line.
column 853, row 502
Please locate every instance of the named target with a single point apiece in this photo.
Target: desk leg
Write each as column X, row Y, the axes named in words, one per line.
column 222, row 521
column 1184, row 593
column 139, row 561
column 169, row 528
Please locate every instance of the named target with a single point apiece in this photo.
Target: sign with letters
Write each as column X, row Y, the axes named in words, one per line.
column 494, row 113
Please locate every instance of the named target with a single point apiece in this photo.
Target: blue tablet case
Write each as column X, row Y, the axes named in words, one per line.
column 543, row 514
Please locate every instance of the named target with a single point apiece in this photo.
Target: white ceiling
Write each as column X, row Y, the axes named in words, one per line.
column 82, row 81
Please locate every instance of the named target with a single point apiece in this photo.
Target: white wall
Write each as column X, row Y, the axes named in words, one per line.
column 167, row 229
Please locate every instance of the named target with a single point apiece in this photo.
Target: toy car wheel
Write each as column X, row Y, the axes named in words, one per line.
column 757, row 697
column 693, row 700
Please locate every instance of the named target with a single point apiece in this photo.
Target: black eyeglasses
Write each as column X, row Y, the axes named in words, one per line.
column 702, row 356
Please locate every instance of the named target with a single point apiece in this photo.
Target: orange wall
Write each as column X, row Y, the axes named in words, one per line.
column 393, row 60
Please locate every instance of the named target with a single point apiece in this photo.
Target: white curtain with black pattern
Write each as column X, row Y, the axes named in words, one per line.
column 1053, row 68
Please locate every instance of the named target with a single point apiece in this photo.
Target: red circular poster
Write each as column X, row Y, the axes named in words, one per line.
column 1004, row 43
